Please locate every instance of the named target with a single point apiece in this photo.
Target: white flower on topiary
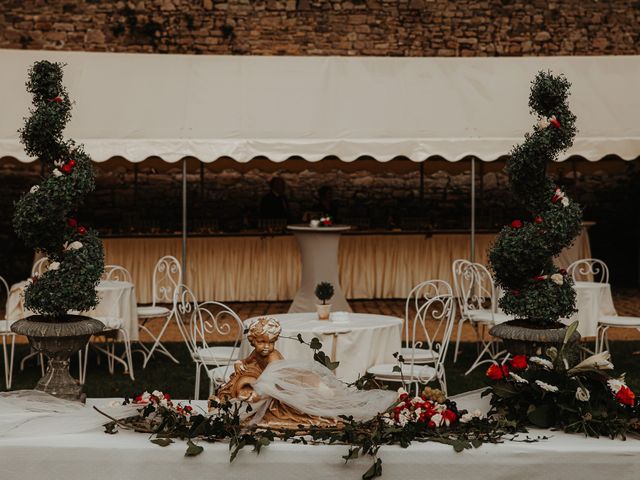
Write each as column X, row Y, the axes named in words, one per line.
column 57, row 173
column 557, row 278
column 73, row 245
column 34, row 189
column 54, row 266
column 582, row 394
column 547, row 387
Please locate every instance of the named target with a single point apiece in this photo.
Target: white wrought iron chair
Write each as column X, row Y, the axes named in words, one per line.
column 116, row 273
column 478, row 304
column 589, row 270
column 7, row 336
column 112, row 328
column 431, row 327
column 167, row 274
column 200, row 322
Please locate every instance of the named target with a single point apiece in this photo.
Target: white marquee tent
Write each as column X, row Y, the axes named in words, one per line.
column 175, row 106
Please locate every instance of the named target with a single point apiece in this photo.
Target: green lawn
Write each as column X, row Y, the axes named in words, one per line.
column 179, row 379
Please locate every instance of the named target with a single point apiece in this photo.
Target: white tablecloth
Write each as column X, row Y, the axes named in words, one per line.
column 365, row 340
column 592, row 301
column 117, row 300
column 129, row 455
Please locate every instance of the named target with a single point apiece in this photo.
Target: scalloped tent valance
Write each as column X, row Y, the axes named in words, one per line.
column 174, row 106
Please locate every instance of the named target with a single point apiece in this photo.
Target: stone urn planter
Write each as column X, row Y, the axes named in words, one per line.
column 58, row 340
column 524, row 338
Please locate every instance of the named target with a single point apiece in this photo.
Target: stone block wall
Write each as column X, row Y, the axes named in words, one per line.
column 326, row 27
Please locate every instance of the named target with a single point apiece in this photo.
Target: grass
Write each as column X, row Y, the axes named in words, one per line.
column 179, row 379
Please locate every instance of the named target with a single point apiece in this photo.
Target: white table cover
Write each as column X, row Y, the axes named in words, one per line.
column 358, row 344
column 129, row 455
column 592, row 301
column 319, row 254
column 117, row 300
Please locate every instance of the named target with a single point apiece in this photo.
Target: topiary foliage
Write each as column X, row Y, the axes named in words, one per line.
column 522, row 255
column 43, row 217
column 324, row 292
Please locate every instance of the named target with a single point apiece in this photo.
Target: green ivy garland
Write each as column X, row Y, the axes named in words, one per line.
column 43, row 217
column 522, row 255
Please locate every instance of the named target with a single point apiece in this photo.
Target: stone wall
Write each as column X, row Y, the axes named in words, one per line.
column 326, row 27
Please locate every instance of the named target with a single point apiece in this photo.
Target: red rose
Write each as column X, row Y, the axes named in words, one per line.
column 554, row 121
column 555, row 198
column 625, row 396
column 404, row 396
column 562, row 271
column 519, row 362
column 516, row 224
column 497, row 372
column 538, row 220
column 450, row 415
column 82, row 230
column 431, row 424
column 72, row 162
column 72, row 222
column 67, row 168
column 167, row 396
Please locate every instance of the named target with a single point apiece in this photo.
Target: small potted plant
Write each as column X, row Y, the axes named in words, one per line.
column 324, row 292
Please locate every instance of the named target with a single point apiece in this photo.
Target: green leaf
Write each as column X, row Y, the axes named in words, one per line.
column 504, row 390
column 374, row 471
column 300, row 339
column 396, row 368
column 569, row 333
column 193, row 449
column 315, row 343
column 353, row 453
column 541, row 416
column 163, row 442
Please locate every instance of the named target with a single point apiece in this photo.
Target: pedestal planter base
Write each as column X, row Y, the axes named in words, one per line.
column 524, row 340
column 58, row 340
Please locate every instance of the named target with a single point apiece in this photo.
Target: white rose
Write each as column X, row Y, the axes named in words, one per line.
column 34, row 189
column 437, row 419
column 543, row 123
column 57, row 173
column 582, row 394
column 54, row 266
column 478, row 413
column 546, row 386
column 401, row 391
column 557, row 278
column 466, row 418
column 59, row 163
column 565, row 202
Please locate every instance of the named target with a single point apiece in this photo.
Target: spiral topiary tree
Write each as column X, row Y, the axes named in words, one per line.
column 44, row 217
column 536, row 291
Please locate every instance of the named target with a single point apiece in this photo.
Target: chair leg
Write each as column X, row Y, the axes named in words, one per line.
column 196, row 395
column 127, row 349
column 42, row 360
column 8, row 360
column 456, row 351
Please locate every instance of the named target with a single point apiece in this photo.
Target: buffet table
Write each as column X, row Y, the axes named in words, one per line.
column 129, row 455
column 268, row 268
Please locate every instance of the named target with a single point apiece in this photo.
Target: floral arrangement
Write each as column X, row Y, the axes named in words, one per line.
column 44, row 216
column 549, row 392
column 326, row 221
column 536, row 291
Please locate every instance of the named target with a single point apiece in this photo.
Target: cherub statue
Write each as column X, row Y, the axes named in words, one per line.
column 319, row 397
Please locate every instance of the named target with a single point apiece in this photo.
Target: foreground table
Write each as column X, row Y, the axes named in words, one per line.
column 129, row 455
column 361, row 342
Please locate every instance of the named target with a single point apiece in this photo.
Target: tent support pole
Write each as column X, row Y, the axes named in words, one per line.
column 184, row 221
column 472, row 256
column 422, row 182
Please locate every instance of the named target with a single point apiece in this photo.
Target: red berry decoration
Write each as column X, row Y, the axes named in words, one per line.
column 538, row 220
column 82, row 230
column 72, row 222
column 516, row 224
column 554, row 121
column 66, row 168
column 72, row 162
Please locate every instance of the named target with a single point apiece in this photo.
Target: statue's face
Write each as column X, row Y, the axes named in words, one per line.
column 263, row 344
